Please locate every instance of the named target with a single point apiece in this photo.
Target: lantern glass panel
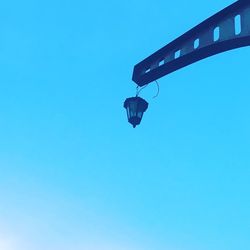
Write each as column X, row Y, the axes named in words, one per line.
column 133, row 109
column 128, row 114
column 139, row 114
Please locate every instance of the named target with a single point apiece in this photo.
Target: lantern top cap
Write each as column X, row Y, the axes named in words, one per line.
column 137, row 99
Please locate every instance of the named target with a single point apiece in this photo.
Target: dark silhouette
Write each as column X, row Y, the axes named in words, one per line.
column 226, row 30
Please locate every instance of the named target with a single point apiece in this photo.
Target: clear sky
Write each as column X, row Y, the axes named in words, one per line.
column 74, row 175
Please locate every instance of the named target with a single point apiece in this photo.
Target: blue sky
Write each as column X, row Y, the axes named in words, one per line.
column 75, row 175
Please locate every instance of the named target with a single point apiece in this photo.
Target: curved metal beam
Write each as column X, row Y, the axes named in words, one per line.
column 217, row 34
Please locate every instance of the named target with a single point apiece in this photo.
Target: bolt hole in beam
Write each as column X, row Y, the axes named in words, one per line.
column 177, row 54
column 161, row 62
column 237, row 23
column 216, row 34
column 196, row 43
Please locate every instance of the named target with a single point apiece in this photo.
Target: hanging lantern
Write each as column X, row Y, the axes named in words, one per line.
column 135, row 107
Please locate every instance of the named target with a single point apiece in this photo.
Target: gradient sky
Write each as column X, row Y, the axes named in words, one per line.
column 74, row 175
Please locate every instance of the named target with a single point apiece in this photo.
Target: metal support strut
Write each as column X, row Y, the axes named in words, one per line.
column 226, row 30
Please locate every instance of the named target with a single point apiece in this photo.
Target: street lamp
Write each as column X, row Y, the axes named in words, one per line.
column 226, row 30
column 135, row 106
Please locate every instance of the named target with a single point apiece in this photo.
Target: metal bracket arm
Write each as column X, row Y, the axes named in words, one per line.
column 217, row 34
